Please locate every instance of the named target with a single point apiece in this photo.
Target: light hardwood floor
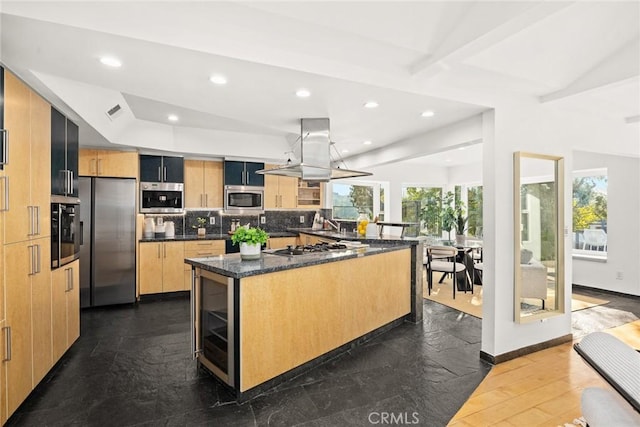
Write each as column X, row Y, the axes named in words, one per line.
column 540, row 389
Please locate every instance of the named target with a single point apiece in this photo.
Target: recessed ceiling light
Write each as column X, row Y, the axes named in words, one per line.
column 428, row 114
column 371, row 104
column 172, row 118
column 345, row 151
column 461, row 148
column 218, row 79
column 110, row 61
column 367, row 143
column 448, row 160
column 303, row 93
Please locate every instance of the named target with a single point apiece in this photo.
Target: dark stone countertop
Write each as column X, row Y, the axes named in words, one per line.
column 334, row 235
column 225, row 236
column 230, row 265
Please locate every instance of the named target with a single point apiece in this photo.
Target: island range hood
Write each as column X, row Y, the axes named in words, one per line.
column 315, row 159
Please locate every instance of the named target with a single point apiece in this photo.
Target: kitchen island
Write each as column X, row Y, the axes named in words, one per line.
column 258, row 323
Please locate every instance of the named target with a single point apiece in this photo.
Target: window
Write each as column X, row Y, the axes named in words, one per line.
column 590, row 213
column 349, row 200
column 474, row 209
column 422, row 205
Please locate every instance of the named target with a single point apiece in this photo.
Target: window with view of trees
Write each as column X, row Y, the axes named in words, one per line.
column 590, row 213
column 350, row 200
column 422, row 205
column 474, row 209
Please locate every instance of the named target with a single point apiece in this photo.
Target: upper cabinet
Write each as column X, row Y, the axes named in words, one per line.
column 64, row 155
column 280, row 191
column 109, row 163
column 3, row 131
column 26, row 200
column 243, row 173
column 203, row 184
column 161, row 169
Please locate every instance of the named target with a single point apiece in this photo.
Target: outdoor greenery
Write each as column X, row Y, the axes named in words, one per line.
column 422, row 205
column 359, row 199
column 474, row 203
column 589, row 205
column 251, row 236
column 545, row 192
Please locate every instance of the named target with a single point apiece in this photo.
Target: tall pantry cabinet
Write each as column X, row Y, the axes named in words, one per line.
column 25, row 226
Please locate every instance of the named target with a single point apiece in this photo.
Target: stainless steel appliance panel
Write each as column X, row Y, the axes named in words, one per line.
column 113, row 256
column 84, row 191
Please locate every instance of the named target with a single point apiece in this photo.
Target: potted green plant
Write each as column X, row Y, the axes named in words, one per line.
column 200, row 225
column 250, row 240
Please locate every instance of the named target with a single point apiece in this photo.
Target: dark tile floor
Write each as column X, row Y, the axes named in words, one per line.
column 132, row 366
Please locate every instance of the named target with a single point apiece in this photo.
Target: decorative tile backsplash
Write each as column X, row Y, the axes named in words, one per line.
column 275, row 220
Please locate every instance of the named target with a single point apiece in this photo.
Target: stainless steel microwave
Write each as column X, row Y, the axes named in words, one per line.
column 242, row 198
column 161, row 197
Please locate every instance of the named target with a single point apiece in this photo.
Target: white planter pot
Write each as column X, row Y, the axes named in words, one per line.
column 248, row 251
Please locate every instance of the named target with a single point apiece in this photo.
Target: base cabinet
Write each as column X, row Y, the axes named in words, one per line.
column 281, row 242
column 199, row 249
column 65, row 282
column 161, row 267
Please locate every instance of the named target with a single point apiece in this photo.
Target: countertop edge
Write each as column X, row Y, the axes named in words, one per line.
column 300, row 262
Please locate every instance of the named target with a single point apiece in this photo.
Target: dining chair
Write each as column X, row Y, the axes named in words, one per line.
column 594, row 238
column 442, row 259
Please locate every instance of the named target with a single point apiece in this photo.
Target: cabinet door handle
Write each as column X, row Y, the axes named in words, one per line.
column 99, row 167
column 164, row 248
column 31, row 227
column 5, row 147
column 37, row 215
column 71, row 284
column 164, row 174
column 6, row 193
column 206, row 200
column 32, row 253
column 66, row 280
column 93, row 169
column 159, row 249
column 7, row 343
column 71, row 182
column 38, row 259
column 159, row 172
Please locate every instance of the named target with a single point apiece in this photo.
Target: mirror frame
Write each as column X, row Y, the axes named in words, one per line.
column 517, row 236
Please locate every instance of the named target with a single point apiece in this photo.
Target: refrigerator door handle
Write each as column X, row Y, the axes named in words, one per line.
column 81, row 233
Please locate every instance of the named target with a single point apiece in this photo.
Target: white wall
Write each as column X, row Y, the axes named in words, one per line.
column 623, row 225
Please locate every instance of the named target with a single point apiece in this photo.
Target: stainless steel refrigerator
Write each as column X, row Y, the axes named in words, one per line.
column 107, row 250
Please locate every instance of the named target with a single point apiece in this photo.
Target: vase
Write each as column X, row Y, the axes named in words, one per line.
column 249, row 251
column 202, row 231
column 460, row 239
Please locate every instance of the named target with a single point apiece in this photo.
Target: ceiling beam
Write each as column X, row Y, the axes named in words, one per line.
column 623, row 64
column 457, row 51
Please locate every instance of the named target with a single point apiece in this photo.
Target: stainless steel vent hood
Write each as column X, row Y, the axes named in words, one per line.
column 315, row 159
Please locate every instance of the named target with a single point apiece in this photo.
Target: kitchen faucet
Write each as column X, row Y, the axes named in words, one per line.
column 333, row 225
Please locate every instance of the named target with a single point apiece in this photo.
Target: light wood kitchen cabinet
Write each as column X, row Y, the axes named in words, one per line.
column 280, row 191
column 65, row 282
column 3, row 382
column 108, row 163
column 22, row 259
column 28, row 121
column 41, row 307
column 308, row 239
column 161, row 267
column 199, row 249
column 281, row 242
column 203, row 184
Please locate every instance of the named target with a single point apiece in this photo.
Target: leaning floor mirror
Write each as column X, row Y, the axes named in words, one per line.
column 538, row 236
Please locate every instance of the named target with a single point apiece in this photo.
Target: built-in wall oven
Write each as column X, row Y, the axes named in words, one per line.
column 212, row 320
column 161, row 197
column 66, row 233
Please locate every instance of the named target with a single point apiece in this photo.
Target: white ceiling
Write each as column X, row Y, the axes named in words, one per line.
column 407, row 56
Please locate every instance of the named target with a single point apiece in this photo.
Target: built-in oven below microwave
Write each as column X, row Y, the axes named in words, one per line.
column 242, row 198
column 65, row 230
column 161, row 197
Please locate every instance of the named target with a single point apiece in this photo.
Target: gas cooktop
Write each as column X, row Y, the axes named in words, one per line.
column 309, row 249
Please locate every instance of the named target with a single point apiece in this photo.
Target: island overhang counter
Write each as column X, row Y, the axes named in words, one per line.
column 258, row 323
